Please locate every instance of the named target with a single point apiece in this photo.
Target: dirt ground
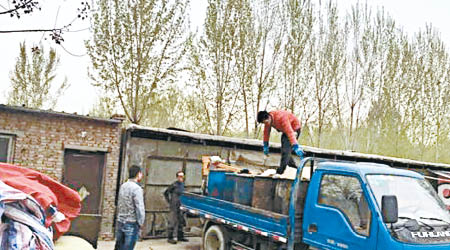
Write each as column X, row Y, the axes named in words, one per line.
column 157, row 244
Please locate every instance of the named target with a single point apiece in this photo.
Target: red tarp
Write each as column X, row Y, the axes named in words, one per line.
column 46, row 191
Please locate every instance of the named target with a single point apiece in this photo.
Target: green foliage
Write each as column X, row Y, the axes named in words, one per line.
column 234, row 61
column 105, row 107
column 362, row 84
column 296, row 57
column 136, row 50
column 267, row 53
column 213, row 64
column 169, row 109
column 32, row 79
column 357, row 81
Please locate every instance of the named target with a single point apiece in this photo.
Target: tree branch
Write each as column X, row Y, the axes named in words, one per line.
column 17, row 8
column 31, row 30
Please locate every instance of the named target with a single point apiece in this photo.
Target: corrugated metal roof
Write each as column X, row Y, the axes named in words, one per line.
column 163, row 134
column 8, row 108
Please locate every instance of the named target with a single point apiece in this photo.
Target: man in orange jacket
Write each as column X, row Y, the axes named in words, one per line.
column 289, row 125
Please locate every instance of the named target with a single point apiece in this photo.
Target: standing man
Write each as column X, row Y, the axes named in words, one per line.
column 131, row 211
column 176, row 220
column 289, row 125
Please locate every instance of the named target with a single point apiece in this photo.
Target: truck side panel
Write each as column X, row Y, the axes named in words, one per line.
column 238, row 216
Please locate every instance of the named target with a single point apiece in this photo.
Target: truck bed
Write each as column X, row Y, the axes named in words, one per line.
column 240, row 217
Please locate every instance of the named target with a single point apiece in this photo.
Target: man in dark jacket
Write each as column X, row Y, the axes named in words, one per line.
column 290, row 126
column 176, row 220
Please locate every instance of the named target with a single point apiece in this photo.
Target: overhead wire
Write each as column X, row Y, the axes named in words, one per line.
column 70, row 53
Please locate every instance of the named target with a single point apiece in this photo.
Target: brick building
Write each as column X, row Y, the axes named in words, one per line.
column 80, row 151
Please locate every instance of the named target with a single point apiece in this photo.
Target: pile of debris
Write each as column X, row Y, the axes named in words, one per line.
column 215, row 162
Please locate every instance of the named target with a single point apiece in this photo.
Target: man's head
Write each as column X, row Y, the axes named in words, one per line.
column 180, row 176
column 264, row 117
column 135, row 172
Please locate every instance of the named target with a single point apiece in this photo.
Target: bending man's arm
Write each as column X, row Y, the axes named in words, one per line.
column 266, row 139
column 267, row 133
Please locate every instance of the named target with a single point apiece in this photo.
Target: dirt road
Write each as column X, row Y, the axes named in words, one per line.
column 157, row 244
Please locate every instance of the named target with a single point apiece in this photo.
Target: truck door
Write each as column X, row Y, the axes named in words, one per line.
column 338, row 215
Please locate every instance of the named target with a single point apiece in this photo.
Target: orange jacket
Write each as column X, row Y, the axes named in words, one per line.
column 285, row 122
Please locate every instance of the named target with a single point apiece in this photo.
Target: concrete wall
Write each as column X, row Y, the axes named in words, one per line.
column 41, row 138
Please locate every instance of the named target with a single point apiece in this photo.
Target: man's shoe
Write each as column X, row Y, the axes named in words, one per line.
column 183, row 239
column 172, row 241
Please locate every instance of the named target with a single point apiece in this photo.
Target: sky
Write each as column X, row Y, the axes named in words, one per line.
column 412, row 15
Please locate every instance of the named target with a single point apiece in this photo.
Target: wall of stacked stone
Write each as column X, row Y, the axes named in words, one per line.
column 42, row 138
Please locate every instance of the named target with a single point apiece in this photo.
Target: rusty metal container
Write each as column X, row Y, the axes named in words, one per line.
column 219, row 186
column 263, row 192
column 243, row 188
column 228, row 190
column 281, row 196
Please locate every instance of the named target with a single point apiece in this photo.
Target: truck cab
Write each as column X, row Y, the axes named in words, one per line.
column 368, row 206
column 330, row 205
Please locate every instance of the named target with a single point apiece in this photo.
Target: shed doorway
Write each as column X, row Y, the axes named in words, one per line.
column 84, row 172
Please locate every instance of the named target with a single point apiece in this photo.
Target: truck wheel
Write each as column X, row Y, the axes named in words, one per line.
column 215, row 238
column 301, row 246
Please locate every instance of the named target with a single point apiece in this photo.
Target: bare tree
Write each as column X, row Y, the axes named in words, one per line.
column 137, row 49
column 294, row 91
column 383, row 113
column 360, row 73
column 269, row 35
column 431, row 83
column 33, row 78
column 213, row 65
column 244, row 54
column 299, row 24
column 327, row 64
column 256, row 53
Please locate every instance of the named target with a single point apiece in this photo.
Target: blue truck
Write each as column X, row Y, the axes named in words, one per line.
column 330, row 205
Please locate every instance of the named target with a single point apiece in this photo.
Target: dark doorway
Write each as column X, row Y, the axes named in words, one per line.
column 83, row 172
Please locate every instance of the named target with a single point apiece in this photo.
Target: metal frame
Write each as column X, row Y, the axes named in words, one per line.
column 102, row 184
column 184, row 160
column 256, row 145
column 11, row 144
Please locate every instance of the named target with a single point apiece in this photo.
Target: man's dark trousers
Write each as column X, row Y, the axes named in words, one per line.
column 176, row 221
column 286, row 157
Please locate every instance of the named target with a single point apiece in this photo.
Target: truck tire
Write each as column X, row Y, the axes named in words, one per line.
column 301, row 246
column 215, row 238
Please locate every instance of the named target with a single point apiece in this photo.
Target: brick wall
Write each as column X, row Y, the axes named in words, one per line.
column 42, row 138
